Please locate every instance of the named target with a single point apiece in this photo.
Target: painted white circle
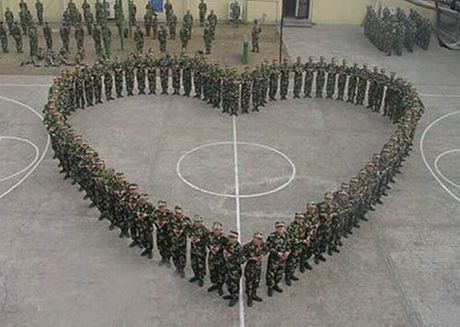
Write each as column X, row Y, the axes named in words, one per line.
column 225, row 195
column 445, row 153
column 37, row 153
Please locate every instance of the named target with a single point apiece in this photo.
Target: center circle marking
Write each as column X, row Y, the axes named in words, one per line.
column 23, row 140
column 242, row 196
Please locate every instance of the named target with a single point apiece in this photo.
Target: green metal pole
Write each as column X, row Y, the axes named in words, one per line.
column 121, row 24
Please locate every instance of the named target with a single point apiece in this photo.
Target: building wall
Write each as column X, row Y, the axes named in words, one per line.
column 347, row 12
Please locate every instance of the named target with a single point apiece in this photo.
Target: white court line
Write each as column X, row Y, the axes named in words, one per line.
column 23, row 85
column 238, row 221
column 23, row 105
column 241, row 196
column 439, row 95
column 37, row 153
column 439, row 171
column 422, row 152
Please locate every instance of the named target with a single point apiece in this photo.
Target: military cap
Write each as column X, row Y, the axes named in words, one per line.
column 177, row 209
column 311, row 205
column 370, row 164
column 233, row 234
column 259, row 235
column 279, row 224
column 328, row 196
column 217, row 225
column 343, row 193
column 354, row 180
column 162, row 203
column 132, row 186
column 198, row 219
column 298, row 215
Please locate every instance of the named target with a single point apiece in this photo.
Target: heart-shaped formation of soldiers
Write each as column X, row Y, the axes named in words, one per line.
column 317, row 231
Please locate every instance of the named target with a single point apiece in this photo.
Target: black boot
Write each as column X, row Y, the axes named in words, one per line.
column 278, row 289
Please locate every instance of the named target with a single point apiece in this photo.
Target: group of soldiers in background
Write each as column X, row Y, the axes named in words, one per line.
column 392, row 32
column 315, row 231
column 99, row 30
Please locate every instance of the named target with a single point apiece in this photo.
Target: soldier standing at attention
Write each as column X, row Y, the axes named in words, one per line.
column 148, row 21
column 184, row 37
column 162, row 216
column 162, row 36
column 320, row 77
column 311, row 223
column 216, row 263
column 186, row 67
column 273, row 75
column 296, row 234
column 256, row 30
column 342, row 79
column 179, row 226
column 118, row 74
column 284, row 78
column 233, row 258
column 207, row 36
column 331, row 77
column 235, row 13
column 139, row 40
column 97, row 37
column 48, row 36
column 108, row 81
column 279, row 248
column 151, row 72
column 172, row 24
column 212, row 19
column 140, row 73
column 188, row 21
column 79, row 37
column 64, row 32
column 202, row 8
column 3, row 38
column 155, row 25
column 129, row 74
column 297, row 68
column 199, row 236
column 39, row 10
column 9, row 19
column 253, row 253
column 352, row 82
column 309, row 77
column 164, row 64
column 168, row 10
column 246, row 82
column 363, row 75
column 175, row 75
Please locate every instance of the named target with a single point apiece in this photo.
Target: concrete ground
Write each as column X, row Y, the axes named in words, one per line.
column 60, row 267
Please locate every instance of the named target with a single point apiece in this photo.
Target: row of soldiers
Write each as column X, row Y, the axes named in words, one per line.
column 222, row 87
column 390, row 33
column 312, row 233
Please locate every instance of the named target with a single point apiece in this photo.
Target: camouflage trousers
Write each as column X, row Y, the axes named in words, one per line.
column 292, row 262
column 361, row 92
column 178, row 252
column 352, row 89
column 284, row 85
column 341, row 87
column 330, row 87
column 216, row 267
column 232, row 278
column 198, row 261
column 245, row 98
column 320, row 85
column 140, row 77
column 152, row 77
column 275, row 270
column 252, row 273
column 273, row 88
column 119, row 84
column 108, row 85
column 89, row 92
column 297, row 85
column 164, row 245
column 308, row 85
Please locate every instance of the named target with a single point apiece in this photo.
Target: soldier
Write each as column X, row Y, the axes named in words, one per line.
column 79, row 36
column 179, row 225
column 329, row 218
column 147, row 210
column 79, row 88
column 155, row 25
column 64, row 32
column 212, row 19
column 373, row 77
column 162, row 217
column 162, row 37
column 97, row 74
column 363, row 75
column 331, row 77
column 199, row 237
column 216, row 86
column 235, row 12
column 311, row 220
column 151, row 72
column 273, row 75
column 172, row 24
column 207, row 36
column 175, row 75
column 352, row 83
column 168, row 10
column 202, row 8
column 164, row 64
column 48, row 36
column 107, row 38
column 139, row 40
column 253, row 252
column 148, row 22
column 309, row 77
column 278, row 246
column 320, row 77
column 297, row 68
column 89, row 21
column 132, row 9
column 108, row 81
column 233, row 258
column 118, row 76
column 255, row 34
column 89, row 86
column 256, row 77
column 216, row 264
column 39, row 9
column 284, row 79
column 188, row 21
column 3, row 38
column 85, row 7
column 140, row 73
column 297, row 236
column 129, row 74
column 9, row 19
column 97, row 37
column 342, row 79
column 184, row 37
column 186, row 67
column 246, row 82
column 33, row 41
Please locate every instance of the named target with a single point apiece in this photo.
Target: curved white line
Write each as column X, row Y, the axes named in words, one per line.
column 436, row 167
column 291, row 178
column 37, row 153
column 422, row 153
column 23, row 105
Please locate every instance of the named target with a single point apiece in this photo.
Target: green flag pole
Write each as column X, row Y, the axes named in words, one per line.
column 121, row 23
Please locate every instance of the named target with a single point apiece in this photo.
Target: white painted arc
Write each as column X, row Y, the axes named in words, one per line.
column 436, row 167
column 241, row 196
column 32, row 169
column 422, row 152
column 37, row 153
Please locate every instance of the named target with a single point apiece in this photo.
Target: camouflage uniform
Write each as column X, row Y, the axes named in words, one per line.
column 172, row 24
column 284, row 79
column 118, row 70
column 175, row 75
column 297, row 68
column 297, row 238
column 253, row 254
column 139, row 39
column 199, row 237
column 164, row 64
column 108, row 82
column 129, row 66
column 279, row 246
column 64, row 32
column 331, row 77
column 342, row 80
column 274, row 74
column 309, row 68
column 140, row 74
column 320, row 77
column 184, row 35
column 233, row 258
column 216, row 263
column 162, row 36
column 178, row 229
column 246, row 81
column 202, row 8
column 151, row 64
column 363, row 75
column 162, row 216
column 352, row 82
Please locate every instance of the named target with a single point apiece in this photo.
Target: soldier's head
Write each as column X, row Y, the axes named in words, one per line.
column 198, row 220
column 376, row 69
column 162, row 205
column 120, row 177
column 328, row 197
column 285, row 60
column 321, row 58
column 280, row 227
column 178, row 211
column 298, row 59
column 298, row 218
column 362, row 173
column 345, row 186
column 365, row 66
column 132, row 188
column 311, row 207
column 232, row 237
column 256, row 21
column 310, row 59
column 333, row 60
column 344, row 62
column 370, row 166
column 354, row 182
column 212, row 11
column 257, row 238
column 100, row 164
column 355, row 65
column 343, row 194
column 144, row 198
column 217, row 228
column 188, row 11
